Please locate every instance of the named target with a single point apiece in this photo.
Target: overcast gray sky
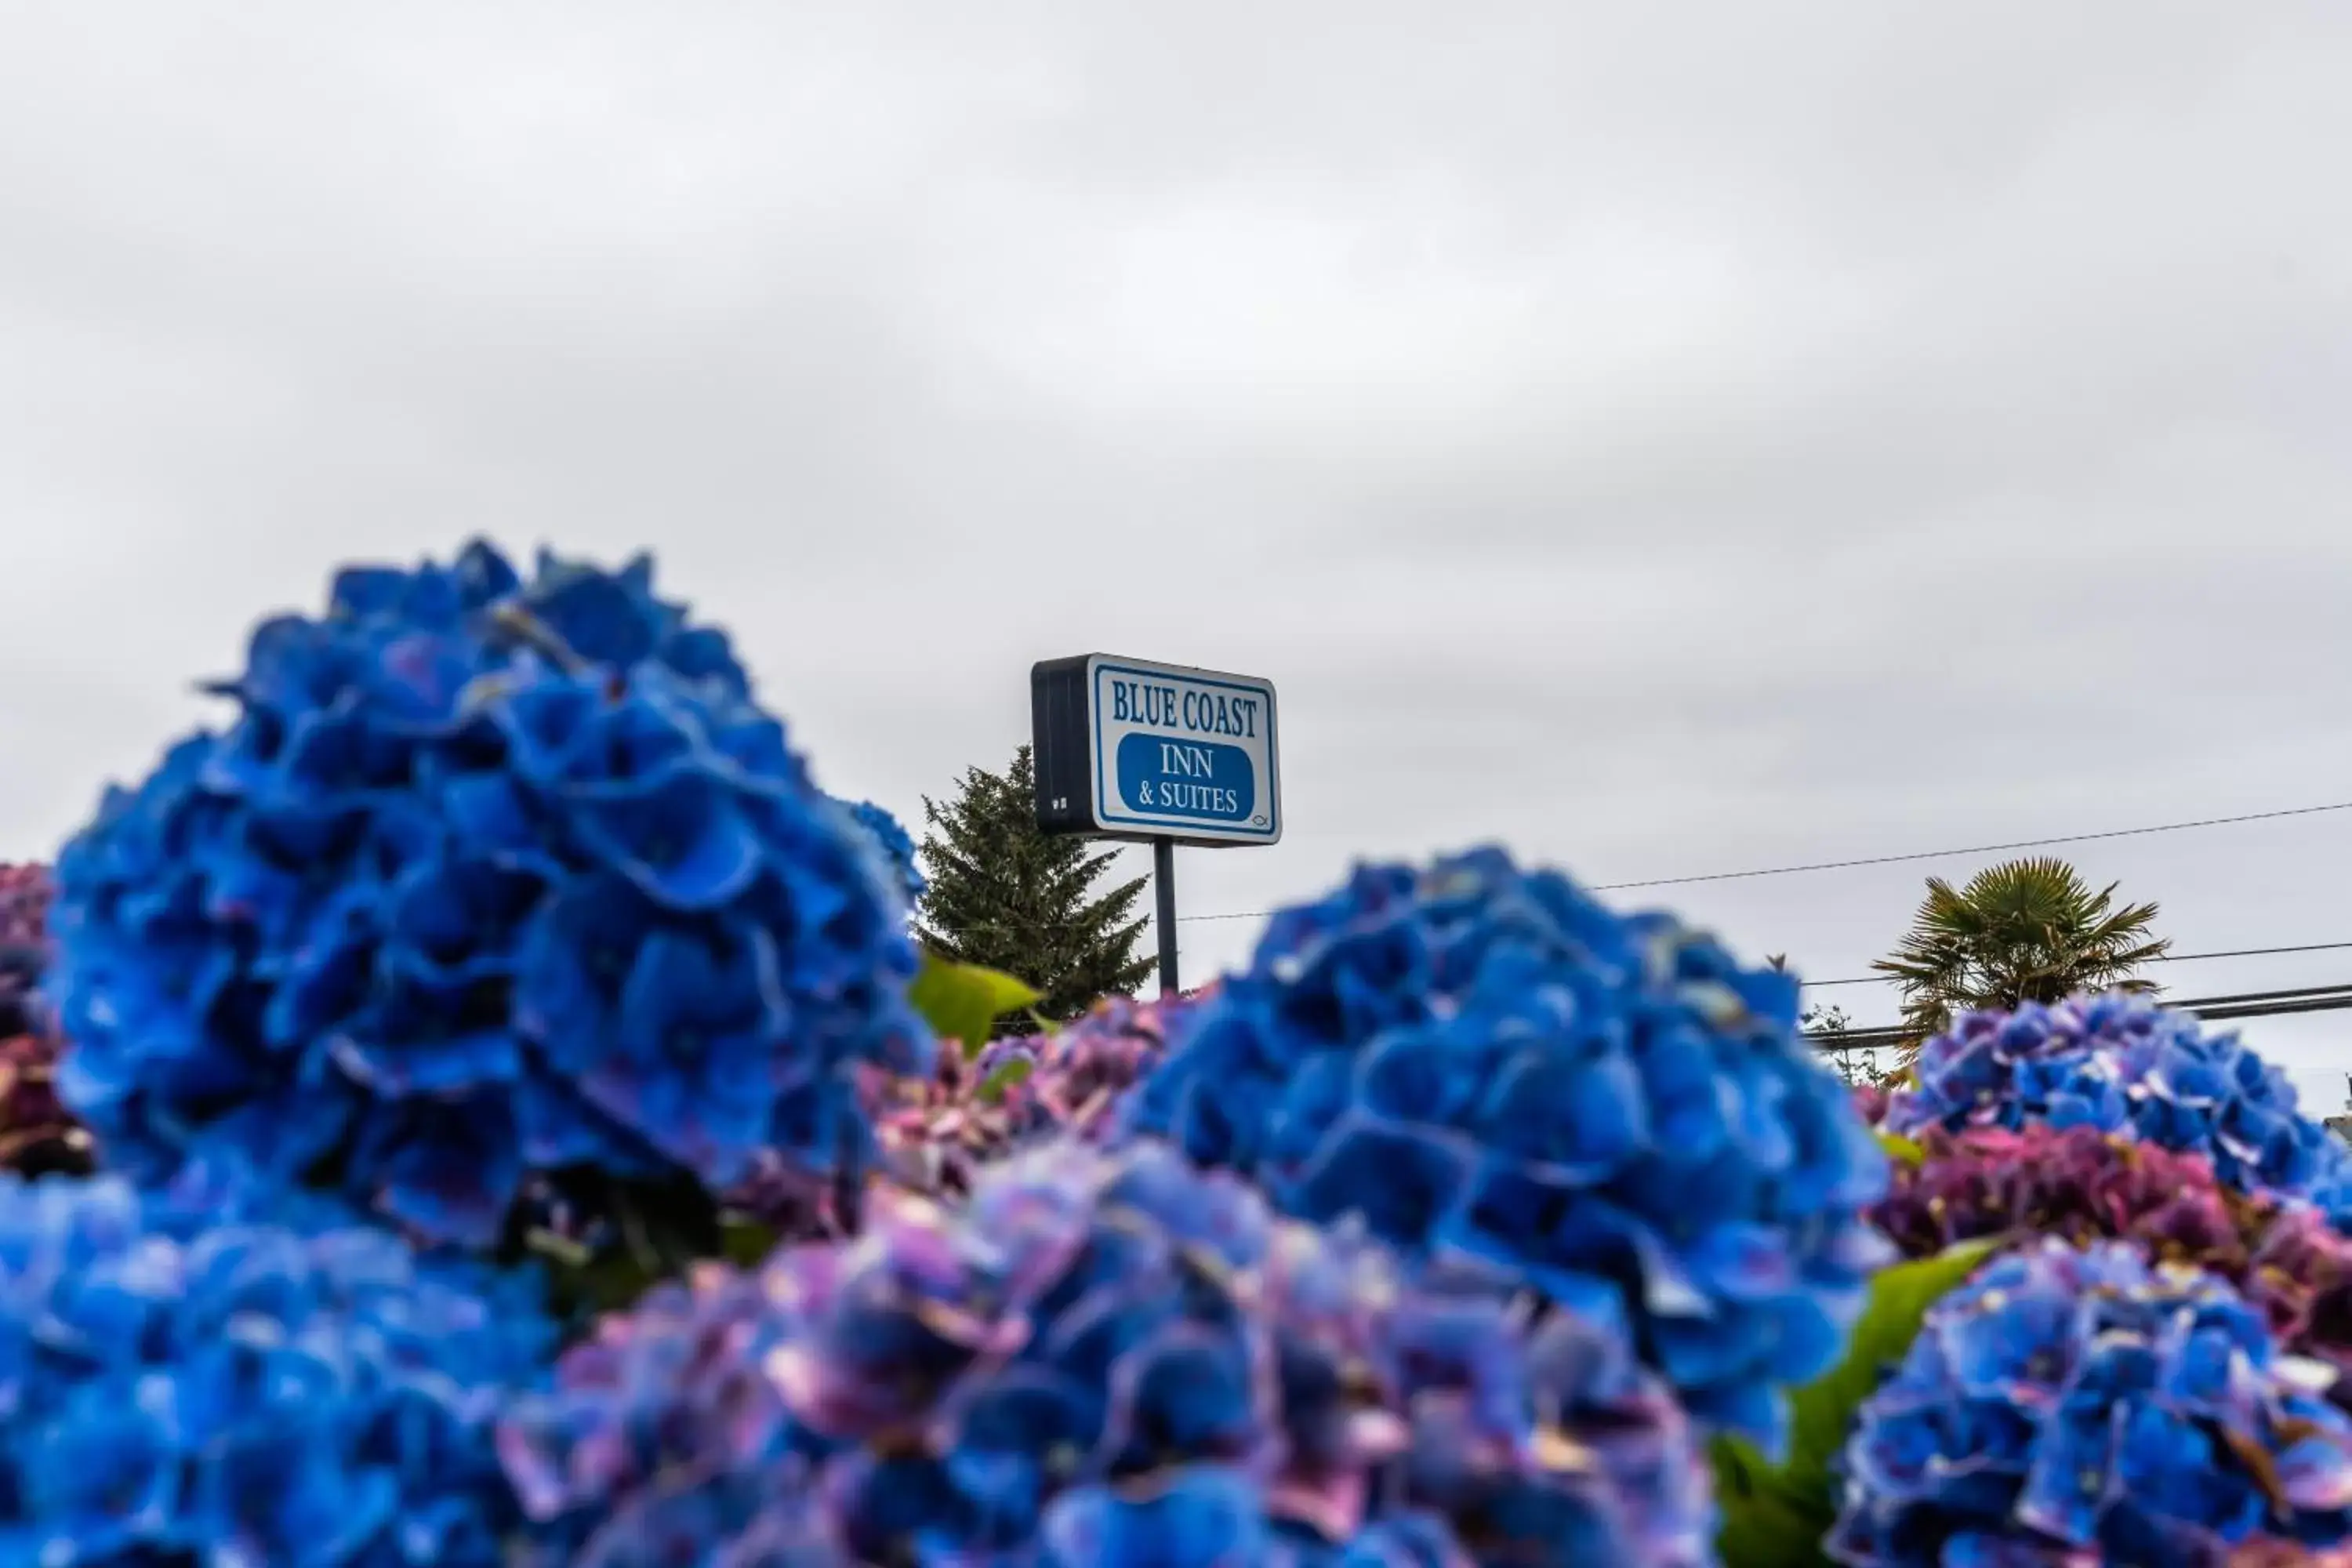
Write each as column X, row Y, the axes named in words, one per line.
column 1666, row 438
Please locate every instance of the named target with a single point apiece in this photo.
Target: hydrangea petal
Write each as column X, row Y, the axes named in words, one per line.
column 2040, row 1416
column 1106, row 1358
column 1485, row 1062
column 362, row 935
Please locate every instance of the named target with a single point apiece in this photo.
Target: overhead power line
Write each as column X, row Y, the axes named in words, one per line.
column 1846, row 865
column 2239, row 1005
column 2167, row 958
column 1974, row 849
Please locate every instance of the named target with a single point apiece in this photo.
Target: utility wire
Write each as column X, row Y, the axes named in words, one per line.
column 2167, row 958
column 1832, row 865
column 1975, row 849
column 2239, row 1005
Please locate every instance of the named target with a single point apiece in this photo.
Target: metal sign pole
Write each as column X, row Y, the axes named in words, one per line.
column 1163, row 889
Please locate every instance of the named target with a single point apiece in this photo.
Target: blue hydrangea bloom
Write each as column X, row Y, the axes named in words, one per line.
column 2122, row 1064
column 1105, row 1359
column 183, row 1392
column 896, row 845
column 1486, row 1064
column 2082, row 1406
column 488, row 877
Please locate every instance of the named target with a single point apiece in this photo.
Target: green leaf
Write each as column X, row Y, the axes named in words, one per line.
column 1762, row 1526
column 962, row 1002
column 1776, row 1514
column 744, row 1241
column 1821, row 1413
column 1902, row 1150
column 992, row 1088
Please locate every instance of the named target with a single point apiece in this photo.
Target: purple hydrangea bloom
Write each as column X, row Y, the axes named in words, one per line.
column 2268, row 1552
column 1484, row 1062
column 1020, row 1089
column 24, row 893
column 788, row 1203
column 2122, row 1064
column 2076, row 1183
column 1003, row 1052
column 489, row 879
column 37, row 1134
column 2066, row 1401
column 897, row 846
column 2300, row 1271
column 182, row 1389
column 937, row 1132
column 2085, row 1186
column 1103, row 1359
column 1083, row 1071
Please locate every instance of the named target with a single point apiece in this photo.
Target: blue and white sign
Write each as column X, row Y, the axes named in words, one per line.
column 1183, row 753
column 1129, row 748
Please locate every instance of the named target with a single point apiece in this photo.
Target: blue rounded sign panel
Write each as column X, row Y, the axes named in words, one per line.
column 1204, row 780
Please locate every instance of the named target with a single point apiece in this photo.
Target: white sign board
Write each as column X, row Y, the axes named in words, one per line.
column 1170, row 751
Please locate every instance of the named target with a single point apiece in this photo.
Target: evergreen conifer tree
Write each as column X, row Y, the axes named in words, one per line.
column 1007, row 897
